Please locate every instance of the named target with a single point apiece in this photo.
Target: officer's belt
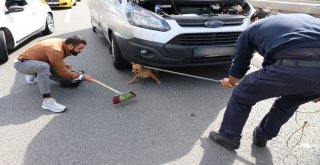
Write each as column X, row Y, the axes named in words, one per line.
column 299, row 63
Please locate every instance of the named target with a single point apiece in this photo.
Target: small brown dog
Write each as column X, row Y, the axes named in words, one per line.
column 141, row 72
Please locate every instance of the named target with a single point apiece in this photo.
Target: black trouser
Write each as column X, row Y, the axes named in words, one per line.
column 292, row 85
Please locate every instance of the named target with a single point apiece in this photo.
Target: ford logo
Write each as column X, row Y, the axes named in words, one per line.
column 213, row 23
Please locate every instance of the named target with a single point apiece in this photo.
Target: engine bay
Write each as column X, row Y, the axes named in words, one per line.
column 167, row 8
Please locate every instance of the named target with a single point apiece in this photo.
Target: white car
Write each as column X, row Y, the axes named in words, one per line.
column 167, row 33
column 21, row 19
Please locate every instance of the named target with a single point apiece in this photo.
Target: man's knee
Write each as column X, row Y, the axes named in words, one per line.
column 44, row 69
column 240, row 96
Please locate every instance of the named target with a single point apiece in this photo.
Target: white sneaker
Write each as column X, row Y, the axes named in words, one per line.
column 31, row 79
column 52, row 105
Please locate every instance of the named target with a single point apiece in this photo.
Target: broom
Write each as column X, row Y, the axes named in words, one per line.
column 120, row 97
column 183, row 74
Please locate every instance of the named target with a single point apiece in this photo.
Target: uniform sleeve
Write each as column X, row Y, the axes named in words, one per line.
column 244, row 52
column 56, row 61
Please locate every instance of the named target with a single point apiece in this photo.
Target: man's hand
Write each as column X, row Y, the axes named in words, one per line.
column 68, row 66
column 229, row 82
column 88, row 78
column 316, row 100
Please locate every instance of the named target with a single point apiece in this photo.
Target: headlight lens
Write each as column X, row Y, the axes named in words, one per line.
column 145, row 19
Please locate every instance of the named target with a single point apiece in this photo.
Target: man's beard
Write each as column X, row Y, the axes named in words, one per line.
column 73, row 52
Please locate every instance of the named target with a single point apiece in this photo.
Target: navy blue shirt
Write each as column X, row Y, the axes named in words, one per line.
column 286, row 36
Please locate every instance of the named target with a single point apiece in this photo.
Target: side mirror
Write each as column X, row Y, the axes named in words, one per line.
column 15, row 8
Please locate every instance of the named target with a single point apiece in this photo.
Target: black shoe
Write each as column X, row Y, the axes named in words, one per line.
column 70, row 84
column 258, row 142
column 226, row 142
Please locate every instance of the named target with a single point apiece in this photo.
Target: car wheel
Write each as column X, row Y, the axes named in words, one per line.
column 3, row 48
column 118, row 61
column 49, row 25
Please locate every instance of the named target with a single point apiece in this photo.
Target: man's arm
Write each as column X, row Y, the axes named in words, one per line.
column 56, row 61
column 244, row 53
column 229, row 82
column 241, row 62
column 68, row 66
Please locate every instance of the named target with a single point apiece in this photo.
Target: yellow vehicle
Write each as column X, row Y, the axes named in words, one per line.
column 60, row 3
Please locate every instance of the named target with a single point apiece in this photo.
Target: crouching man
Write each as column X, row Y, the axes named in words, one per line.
column 44, row 61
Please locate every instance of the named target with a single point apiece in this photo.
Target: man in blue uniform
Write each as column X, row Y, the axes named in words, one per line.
column 290, row 45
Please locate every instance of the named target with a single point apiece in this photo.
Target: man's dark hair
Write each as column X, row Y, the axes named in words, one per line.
column 75, row 40
column 264, row 12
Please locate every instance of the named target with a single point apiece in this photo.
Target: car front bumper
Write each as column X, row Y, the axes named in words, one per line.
column 171, row 55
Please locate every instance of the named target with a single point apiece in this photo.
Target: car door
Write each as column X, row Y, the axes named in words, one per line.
column 37, row 13
column 94, row 9
column 21, row 23
column 109, row 14
column 105, row 13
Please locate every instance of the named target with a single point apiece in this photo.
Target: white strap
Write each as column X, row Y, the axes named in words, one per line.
column 80, row 77
column 16, row 60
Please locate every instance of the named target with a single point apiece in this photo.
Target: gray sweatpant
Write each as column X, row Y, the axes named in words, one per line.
column 43, row 72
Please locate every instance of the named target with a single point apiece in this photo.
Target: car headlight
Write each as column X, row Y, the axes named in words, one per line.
column 146, row 19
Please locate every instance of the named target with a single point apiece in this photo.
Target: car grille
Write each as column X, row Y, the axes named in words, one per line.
column 52, row 0
column 201, row 23
column 202, row 39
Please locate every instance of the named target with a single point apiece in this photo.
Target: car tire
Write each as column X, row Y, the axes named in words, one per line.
column 93, row 27
column 118, row 61
column 49, row 25
column 3, row 48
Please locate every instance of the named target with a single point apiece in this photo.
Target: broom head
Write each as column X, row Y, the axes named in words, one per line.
column 123, row 97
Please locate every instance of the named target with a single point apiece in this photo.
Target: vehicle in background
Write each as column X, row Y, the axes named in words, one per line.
column 21, row 19
column 61, row 3
column 165, row 33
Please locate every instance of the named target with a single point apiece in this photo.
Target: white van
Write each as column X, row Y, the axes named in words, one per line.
column 21, row 19
column 165, row 33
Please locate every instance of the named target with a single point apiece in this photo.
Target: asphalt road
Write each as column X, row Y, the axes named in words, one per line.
column 164, row 124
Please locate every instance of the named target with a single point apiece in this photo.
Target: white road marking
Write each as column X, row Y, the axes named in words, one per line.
column 68, row 16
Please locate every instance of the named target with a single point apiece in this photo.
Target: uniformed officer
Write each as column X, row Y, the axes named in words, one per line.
column 290, row 45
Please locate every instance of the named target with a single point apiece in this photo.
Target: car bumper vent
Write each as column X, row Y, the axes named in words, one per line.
column 204, row 39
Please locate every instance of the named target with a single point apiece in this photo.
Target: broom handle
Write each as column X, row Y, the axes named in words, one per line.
column 100, row 83
column 106, row 86
column 183, row 74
